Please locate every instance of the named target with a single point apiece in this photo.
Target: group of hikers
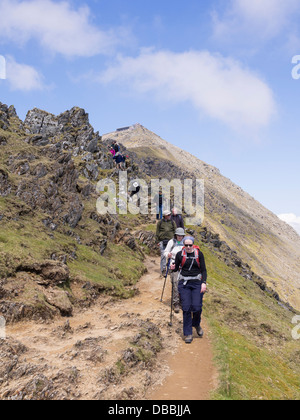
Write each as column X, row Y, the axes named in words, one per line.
column 117, row 156
column 186, row 265
column 180, row 258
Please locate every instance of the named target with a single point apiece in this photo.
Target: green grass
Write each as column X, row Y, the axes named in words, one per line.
column 27, row 240
column 253, row 346
column 117, row 269
column 249, row 372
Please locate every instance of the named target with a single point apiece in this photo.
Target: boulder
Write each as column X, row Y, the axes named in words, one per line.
column 60, row 300
column 50, row 273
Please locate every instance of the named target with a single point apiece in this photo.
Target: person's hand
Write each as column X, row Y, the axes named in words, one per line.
column 172, row 266
column 203, row 288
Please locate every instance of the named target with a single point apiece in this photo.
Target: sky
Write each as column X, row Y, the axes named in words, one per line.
column 219, row 78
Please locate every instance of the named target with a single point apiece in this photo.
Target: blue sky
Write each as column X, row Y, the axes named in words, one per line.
column 212, row 77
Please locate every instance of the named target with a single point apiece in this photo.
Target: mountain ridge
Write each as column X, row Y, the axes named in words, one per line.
column 264, row 241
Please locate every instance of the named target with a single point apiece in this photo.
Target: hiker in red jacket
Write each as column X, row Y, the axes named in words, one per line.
column 192, row 286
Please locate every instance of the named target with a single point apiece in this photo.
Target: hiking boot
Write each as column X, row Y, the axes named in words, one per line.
column 200, row 331
column 176, row 309
column 189, row 339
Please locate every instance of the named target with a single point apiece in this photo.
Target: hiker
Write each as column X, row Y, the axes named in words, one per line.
column 191, row 285
column 134, row 188
column 127, row 162
column 174, row 246
column 116, row 147
column 112, row 151
column 120, row 161
column 158, row 200
column 165, row 231
column 178, row 219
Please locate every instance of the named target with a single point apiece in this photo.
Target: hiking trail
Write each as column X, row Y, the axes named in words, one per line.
column 90, row 343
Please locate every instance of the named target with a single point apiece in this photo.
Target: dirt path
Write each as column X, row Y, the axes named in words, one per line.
column 79, row 356
column 193, row 375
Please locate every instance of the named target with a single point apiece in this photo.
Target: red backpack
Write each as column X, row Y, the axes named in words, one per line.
column 184, row 255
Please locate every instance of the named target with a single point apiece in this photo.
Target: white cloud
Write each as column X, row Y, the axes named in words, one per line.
column 57, row 26
column 261, row 19
column 292, row 220
column 23, row 77
column 217, row 86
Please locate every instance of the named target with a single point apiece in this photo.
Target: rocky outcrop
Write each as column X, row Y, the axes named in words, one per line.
column 50, row 273
column 41, row 122
column 48, row 173
column 69, row 131
column 9, row 118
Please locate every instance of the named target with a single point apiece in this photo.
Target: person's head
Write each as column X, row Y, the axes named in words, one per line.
column 167, row 215
column 188, row 242
column 179, row 234
column 174, row 211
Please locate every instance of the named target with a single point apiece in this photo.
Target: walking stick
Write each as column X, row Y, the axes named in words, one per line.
column 168, row 267
column 172, row 298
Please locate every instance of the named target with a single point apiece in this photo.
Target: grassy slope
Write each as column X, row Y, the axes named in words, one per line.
column 24, row 238
column 254, row 241
column 254, row 349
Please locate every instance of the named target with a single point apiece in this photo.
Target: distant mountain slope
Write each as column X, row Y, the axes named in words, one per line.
column 268, row 245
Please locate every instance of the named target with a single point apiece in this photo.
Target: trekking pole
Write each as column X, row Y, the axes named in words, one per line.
column 172, row 298
column 168, row 267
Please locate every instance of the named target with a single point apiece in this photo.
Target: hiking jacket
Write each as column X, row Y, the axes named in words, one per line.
column 174, row 247
column 116, row 148
column 178, row 220
column 165, row 230
column 119, row 158
column 189, row 272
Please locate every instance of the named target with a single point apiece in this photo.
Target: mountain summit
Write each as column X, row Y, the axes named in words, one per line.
column 268, row 245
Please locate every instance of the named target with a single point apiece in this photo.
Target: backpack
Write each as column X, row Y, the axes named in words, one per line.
column 116, row 148
column 184, row 256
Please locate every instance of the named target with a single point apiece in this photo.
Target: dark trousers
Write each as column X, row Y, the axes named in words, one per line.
column 192, row 302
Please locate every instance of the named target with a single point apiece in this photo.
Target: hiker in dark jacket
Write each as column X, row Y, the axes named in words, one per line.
column 165, row 231
column 177, row 218
column 159, row 201
column 191, row 286
column 116, row 147
column 120, row 161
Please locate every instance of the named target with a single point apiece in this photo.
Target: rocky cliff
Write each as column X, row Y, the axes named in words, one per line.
column 50, row 233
